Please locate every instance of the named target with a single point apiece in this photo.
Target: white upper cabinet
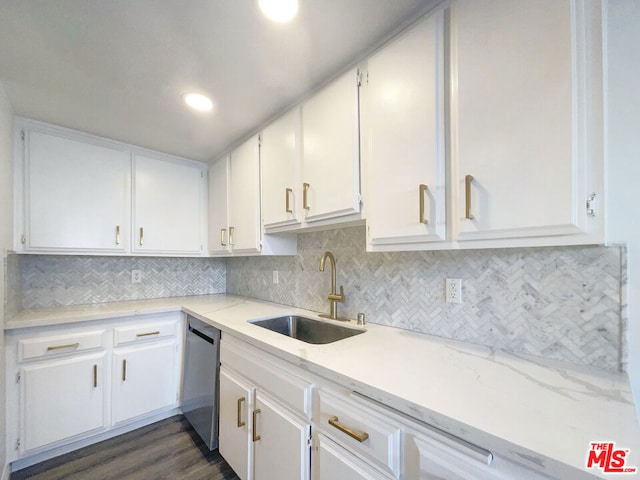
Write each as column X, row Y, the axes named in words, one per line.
column 403, row 121
column 280, row 160
column 76, row 195
column 331, row 151
column 244, row 197
column 526, row 122
column 219, row 207
column 168, row 206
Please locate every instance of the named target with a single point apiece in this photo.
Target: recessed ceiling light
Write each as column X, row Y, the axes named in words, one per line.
column 197, row 101
column 279, row 10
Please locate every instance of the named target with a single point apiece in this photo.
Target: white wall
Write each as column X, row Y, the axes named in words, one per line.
column 622, row 89
column 6, row 225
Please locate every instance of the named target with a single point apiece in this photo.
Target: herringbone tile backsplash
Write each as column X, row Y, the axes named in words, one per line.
column 562, row 303
column 51, row 280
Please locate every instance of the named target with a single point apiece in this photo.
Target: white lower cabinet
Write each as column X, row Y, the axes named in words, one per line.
column 265, row 429
column 334, row 461
column 52, row 392
column 143, row 380
column 72, row 386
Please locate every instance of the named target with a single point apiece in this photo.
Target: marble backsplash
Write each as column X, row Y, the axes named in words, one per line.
column 50, row 280
column 562, row 303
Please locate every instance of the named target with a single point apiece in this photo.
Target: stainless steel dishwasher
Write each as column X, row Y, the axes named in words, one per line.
column 201, row 380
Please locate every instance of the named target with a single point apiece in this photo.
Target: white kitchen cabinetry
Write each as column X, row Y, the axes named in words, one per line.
column 280, row 159
column 234, row 206
column 70, row 389
column 76, row 194
column 331, row 152
column 526, row 112
column 334, row 461
column 403, row 102
column 219, row 207
column 168, row 206
column 264, row 414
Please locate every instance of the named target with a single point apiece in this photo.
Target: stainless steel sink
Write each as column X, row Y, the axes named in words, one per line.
column 306, row 329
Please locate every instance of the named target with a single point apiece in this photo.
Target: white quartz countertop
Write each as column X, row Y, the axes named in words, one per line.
column 539, row 414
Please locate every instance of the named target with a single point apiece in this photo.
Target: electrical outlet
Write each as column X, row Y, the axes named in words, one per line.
column 136, row 276
column 275, row 277
column 453, row 290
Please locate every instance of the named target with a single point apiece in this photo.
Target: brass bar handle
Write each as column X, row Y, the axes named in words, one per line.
column 117, row 234
column 141, row 236
column 305, row 203
column 148, row 334
column 287, row 192
column 124, row 370
column 61, row 347
column 467, row 189
column 223, row 234
column 422, row 190
column 231, row 230
column 256, row 437
column 361, row 437
column 239, row 422
column 95, row 376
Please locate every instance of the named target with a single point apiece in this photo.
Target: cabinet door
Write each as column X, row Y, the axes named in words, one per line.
column 168, row 209
column 76, row 195
column 281, row 442
column 331, row 461
column 331, row 151
column 520, row 118
column 51, row 395
column 236, row 403
column 244, row 197
column 218, row 207
column 279, row 159
column 403, row 108
column 144, row 380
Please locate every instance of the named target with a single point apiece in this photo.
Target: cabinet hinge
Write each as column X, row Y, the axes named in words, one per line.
column 259, row 140
column 358, row 78
column 18, row 377
column 23, row 239
column 18, row 444
column 591, row 205
column 22, row 135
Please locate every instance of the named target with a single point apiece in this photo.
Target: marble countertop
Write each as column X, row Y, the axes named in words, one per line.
column 540, row 414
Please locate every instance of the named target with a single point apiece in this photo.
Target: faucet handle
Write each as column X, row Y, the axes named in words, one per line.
column 337, row 297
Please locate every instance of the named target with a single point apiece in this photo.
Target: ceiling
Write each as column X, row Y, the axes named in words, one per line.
column 118, row 68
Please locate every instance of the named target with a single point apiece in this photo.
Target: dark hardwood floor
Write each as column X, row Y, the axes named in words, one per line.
column 169, row 449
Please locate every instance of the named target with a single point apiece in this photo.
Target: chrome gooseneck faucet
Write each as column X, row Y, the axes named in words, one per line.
column 334, row 297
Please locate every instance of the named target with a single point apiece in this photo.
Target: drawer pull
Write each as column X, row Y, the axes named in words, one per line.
column 95, row 376
column 287, row 207
column 147, row 334
column 124, row 370
column 141, row 236
column 305, row 203
column 223, row 234
column 361, row 437
column 240, row 423
column 231, row 231
column 61, row 347
column 117, row 234
column 256, row 437
column 421, row 191
column 467, row 197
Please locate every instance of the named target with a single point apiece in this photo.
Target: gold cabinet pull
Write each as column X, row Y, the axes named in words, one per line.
column 287, row 192
column 141, row 236
column 117, row 234
column 223, row 234
column 231, row 230
column 61, row 347
column 467, row 189
column 305, row 203
column 256, row 437
column 148, row 334
column 124, row 370
column 361, row 437
column 95, row 376
column 422, row 190
column 240, row 423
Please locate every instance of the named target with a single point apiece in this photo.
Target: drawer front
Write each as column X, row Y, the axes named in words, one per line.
column 57, row 345
column 362, row 430
column 257, row 367
column 141, row 332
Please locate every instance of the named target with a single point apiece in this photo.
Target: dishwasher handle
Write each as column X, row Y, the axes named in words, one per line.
column 201, row 335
